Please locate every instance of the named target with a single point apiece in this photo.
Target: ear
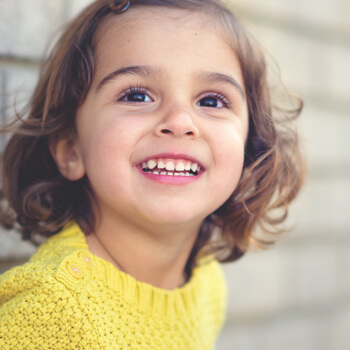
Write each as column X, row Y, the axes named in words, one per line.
column 68, row 157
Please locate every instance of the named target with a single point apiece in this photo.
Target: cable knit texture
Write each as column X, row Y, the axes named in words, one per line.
column 65, row 297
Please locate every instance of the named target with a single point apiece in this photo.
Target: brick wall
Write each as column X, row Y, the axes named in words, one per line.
column 297, row 294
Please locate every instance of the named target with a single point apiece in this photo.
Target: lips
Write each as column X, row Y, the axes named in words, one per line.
column 171, row 167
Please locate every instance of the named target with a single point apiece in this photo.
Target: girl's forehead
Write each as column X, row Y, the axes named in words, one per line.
column 172, row 40
column 160, row 17
column 152, row 22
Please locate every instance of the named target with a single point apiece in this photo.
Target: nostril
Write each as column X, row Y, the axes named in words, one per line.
column 167, row 131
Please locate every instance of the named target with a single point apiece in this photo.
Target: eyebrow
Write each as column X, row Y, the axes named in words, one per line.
column 147, row 71
column 143, row 71
column 221, row 78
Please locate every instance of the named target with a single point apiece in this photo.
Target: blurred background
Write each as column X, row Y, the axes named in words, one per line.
column 297, row 294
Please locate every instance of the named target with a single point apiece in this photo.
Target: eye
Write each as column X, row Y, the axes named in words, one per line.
column 135, row 94
column 214, row 101
column 137, row 97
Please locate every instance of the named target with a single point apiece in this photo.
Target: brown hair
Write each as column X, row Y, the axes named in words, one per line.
column 41, row 200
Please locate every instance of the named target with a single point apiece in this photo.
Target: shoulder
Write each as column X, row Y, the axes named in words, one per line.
column 59, row 263
column 38, row 311
column 211, row 272
column 209, row 297
column 211, row 283
column 38, row 300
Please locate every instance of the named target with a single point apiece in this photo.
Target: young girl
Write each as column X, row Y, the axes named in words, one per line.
column 150, row 152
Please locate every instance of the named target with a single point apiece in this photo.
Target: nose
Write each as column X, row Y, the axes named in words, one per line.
column 177, row 122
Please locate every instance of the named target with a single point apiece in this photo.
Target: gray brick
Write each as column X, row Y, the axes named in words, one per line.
column 322, row 13
column 74, row 7
column 343, row 15
column 322, row 207
column 272, row 7
column 18, row 83
column 239, row 337
column 289, row 331
column 255, row 285
column 294, row 332
column 26, row 26
column 339, row 329
column 325, row 136
column 307, row 66
column 12, row 247
column 342, row 272
column 2, row 93
column 16, row 86
column 311, row 276
column 340, row 71
column 315, row 275
column 315, row 13
column 315, row 282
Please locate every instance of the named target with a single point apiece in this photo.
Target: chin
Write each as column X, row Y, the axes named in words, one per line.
column 176, row 216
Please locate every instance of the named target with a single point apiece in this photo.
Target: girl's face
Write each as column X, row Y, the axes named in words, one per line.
column 167, row 96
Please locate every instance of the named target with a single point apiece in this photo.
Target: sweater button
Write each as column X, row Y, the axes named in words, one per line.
column 74, row 270
column 86, row 258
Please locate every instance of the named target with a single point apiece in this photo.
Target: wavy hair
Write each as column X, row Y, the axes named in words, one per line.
column 36, row 198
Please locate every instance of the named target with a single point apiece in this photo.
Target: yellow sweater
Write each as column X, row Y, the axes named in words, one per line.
column 65, row 297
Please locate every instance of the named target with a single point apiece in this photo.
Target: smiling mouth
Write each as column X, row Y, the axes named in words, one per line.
column 171, row 167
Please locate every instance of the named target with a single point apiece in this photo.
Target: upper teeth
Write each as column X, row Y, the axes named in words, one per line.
column 171, row 165
column 161, row 165
column 151, row 164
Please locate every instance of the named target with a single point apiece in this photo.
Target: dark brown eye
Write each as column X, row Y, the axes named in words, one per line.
column 210, row 101
column 137, row 97
column 136, row 94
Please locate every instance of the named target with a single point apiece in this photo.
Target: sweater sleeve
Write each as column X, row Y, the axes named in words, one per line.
column 39, row 312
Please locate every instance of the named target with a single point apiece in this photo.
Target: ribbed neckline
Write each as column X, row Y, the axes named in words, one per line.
column 151, row 299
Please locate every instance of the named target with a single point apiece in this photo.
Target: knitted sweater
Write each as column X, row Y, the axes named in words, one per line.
column 65, row 297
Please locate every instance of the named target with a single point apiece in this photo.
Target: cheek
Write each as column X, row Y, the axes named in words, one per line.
column 107, row 153
column 229, row 148
column 109, row 141
column 231, row 167
column 229, row 160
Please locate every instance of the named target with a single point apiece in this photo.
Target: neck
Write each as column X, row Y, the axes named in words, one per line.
column 159, row 257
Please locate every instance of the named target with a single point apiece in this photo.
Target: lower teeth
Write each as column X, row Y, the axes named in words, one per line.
column 190, row 173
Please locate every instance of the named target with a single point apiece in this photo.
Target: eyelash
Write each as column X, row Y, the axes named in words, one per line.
column 133, row 89
column 139, row 88
column 225, row 101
